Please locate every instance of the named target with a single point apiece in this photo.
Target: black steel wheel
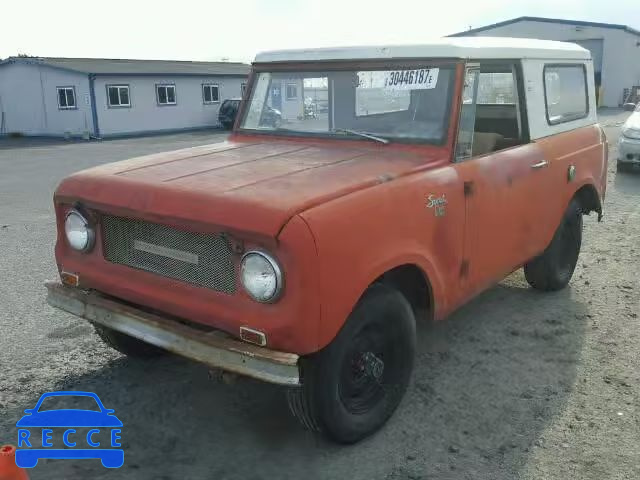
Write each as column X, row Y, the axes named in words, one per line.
column 355, row 384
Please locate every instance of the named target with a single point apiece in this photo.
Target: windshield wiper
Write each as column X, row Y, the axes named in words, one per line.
column 362, row 134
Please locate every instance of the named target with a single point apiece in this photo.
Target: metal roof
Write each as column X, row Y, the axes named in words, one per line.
column 469, row 47
column 577, row 23
column 114, row 66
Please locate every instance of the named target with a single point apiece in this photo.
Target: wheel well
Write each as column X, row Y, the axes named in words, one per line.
column 589, row 201
column 411, row 281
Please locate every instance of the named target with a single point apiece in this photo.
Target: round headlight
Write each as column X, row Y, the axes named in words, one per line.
column 261, row 276
column 79, row 234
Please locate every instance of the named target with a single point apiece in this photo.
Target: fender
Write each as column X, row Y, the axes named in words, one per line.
column 332, row 321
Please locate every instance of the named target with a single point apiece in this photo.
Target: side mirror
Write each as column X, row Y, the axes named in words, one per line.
column 629, row 107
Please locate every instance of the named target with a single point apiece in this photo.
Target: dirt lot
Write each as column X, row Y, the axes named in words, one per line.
column 517, row 384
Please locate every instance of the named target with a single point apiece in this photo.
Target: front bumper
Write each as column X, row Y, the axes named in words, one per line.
column 628, row 150
column 213, row 348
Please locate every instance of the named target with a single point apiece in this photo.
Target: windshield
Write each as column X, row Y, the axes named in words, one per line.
column 410, row 105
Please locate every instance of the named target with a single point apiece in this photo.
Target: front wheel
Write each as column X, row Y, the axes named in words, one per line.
column 623, row 167
column 351, row 387
column 553, row 269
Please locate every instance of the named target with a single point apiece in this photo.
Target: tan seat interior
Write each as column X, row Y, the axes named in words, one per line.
column 484, row 142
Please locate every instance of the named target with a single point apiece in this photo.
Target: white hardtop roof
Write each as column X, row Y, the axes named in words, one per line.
column 449, row 47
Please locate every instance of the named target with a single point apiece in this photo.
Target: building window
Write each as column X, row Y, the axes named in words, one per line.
column 66, row 98
column 210, row 93
column 292, row 91
column 243, row 89
column 166, row 94
column 118, row 96
column 565, row 93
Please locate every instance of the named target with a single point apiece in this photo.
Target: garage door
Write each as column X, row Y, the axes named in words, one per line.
column 595, row 47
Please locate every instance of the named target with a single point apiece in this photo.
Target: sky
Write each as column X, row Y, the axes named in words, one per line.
column 214, row 30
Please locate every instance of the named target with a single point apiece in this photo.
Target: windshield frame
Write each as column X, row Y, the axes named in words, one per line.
column 449, row 119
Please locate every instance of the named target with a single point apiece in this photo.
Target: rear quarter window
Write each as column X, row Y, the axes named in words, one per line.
column 566, row 94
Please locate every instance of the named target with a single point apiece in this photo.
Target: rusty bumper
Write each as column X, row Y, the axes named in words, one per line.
column 215, row 348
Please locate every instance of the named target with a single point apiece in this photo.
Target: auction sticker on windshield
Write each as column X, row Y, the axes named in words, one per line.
column 419, row 79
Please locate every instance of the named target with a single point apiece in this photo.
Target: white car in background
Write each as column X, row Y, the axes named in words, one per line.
column 629, row 142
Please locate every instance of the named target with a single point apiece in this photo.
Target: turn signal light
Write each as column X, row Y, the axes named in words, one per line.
column 70, row 279
column 253, row 336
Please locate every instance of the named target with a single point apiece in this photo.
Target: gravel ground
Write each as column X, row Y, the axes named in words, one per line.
column 517, row 384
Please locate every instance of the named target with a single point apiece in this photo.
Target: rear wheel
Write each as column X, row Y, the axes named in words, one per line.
column 130, row 346
column 554, row 268
column 354, row 385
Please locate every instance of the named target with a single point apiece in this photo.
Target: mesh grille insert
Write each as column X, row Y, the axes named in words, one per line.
column 200, row 259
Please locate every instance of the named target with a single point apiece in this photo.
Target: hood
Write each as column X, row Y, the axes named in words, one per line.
column 252, row 187
column 633, row 122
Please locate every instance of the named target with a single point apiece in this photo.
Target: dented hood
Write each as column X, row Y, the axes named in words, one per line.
column 244, row 186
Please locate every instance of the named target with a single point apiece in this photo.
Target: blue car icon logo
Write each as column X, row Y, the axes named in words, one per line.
column 84, row 432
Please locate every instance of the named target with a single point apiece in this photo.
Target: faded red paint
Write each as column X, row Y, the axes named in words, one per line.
column 336, row 214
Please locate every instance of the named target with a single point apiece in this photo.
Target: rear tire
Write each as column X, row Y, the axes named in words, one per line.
column 132, row 347
column 352, row 387
column 553, row 269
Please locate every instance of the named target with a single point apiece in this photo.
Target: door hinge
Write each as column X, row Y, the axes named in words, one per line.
column 464, row 268
column 468, row 189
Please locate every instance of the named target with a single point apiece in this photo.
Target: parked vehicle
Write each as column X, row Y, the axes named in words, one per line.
column 228, row 112
column 629, row 142
column 318, row 247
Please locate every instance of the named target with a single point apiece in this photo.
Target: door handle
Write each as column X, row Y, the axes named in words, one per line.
column 540, row 164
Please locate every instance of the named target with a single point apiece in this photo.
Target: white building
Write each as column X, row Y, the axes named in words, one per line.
column 104, row 97
column 615, row 49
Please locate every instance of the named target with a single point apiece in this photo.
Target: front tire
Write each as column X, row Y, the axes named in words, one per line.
column 132, row 347
column 623, row 167
column 553, row 269
column 352, row 387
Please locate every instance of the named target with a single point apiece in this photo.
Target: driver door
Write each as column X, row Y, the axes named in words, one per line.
column 504, row 176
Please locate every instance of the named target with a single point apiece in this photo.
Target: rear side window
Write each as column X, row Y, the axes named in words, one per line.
column 566, row 96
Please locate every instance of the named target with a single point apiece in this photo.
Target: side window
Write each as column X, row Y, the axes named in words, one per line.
column 118, row 96
column 566, row 95
column 166, row 94
column 66, row 98
column 491, row 117
column 210, row 93
column 496, row 88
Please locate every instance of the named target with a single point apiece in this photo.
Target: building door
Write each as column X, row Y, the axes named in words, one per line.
column 276, row 95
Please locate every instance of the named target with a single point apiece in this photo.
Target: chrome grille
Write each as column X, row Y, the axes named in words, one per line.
column 200, row 259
